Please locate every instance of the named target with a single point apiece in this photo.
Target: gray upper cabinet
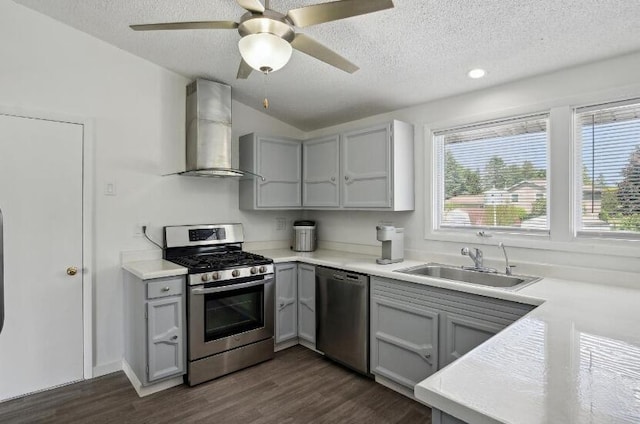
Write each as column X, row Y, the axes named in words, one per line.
column 307, row 303
column 279, row 161
column 368, row 169
column 286, row 301
column 321, row 172
column 377, row 169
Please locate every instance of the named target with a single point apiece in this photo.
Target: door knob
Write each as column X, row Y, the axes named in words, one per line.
column 72, row 270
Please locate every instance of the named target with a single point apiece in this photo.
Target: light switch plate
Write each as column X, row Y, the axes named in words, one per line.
column 110, row 189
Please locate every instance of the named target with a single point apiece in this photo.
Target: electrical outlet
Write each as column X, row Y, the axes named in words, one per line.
column 281, row 224
column 137, row 229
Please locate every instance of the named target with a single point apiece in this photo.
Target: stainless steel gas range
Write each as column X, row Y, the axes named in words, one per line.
column 230, row 302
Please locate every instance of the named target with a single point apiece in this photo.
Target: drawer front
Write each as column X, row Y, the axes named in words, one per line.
column 165, row 287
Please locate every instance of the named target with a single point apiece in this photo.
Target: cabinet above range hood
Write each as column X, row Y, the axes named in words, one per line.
column 209, row 131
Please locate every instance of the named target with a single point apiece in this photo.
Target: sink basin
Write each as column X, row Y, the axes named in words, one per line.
column 447, row 272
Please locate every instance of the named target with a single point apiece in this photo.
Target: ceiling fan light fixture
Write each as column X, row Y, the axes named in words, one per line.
column 265, row 52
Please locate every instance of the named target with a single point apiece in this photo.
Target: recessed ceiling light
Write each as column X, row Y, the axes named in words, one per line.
column 476, row 73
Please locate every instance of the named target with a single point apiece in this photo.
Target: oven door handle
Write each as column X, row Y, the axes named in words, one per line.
column 229, row 287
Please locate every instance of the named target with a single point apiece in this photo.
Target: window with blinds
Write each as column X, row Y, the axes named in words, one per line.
column 608, row 169
column 494, row 175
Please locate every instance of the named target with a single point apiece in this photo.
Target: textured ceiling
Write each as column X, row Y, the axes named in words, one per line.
column 418, row 51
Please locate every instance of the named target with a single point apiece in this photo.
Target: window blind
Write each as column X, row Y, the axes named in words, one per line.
column 608, row 179
column 494, row 175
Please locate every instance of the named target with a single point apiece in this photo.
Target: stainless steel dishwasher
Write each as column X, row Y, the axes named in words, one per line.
column 342, row 318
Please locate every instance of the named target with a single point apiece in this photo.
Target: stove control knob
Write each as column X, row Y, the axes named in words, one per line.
column 235, row 273
column 215, row 275
column 253, row 270
column 263, row 269
column 205, row 277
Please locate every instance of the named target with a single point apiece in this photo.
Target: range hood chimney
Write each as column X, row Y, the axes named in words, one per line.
column 209, row 131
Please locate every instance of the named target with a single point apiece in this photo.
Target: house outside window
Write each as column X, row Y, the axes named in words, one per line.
column 607, row 180
column 493, row 175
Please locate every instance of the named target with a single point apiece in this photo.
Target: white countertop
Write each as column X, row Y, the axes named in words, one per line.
column 573, row 359
column 154, row 268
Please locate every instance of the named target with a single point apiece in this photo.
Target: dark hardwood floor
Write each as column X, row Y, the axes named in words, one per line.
column 298, row 386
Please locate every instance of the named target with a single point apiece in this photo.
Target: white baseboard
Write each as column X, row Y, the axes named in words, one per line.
column 148, row 390
column 108, row 368
column 396, row 387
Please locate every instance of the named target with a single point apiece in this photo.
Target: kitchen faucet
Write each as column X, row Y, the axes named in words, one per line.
column 477, row 260
column 506, row 259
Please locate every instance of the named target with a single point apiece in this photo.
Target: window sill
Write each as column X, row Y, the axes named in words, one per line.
column 583, row 243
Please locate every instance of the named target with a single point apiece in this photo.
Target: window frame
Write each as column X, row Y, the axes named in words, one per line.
column 438, row 184
column 577, row 185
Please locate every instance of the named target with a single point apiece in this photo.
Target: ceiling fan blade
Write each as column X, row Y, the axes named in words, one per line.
column 186, row 25
column 244, row 70
column 332, row 11
column 251, row 5
column 308, row 45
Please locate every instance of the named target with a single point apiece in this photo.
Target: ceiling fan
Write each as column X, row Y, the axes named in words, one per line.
column 268, row 37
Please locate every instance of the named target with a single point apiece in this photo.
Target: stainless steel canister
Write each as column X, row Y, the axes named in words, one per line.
column 304, row 236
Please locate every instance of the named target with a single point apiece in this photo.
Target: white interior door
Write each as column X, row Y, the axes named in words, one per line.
column 41, row 344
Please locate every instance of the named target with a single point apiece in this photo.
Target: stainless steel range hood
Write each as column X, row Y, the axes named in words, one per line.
column 209, row 131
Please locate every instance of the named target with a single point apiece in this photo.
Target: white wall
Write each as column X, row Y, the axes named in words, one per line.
column 137, row 109
column 608, row 80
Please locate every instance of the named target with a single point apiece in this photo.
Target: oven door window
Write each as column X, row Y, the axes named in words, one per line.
column 233, row 312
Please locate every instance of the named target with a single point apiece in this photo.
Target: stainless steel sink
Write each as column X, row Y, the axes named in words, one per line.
column 492, row 279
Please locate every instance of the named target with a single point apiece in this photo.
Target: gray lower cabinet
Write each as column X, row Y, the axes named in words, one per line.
column 404, row 341
column 307, row 303
column 418, row 329
column 462, row 333
column 286, row 298
column 155, row 345
column 165, row 340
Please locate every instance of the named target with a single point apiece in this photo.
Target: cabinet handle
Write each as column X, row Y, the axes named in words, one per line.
column 333, row 178
column 174, row 337
column 346, row 178
column 166, row 289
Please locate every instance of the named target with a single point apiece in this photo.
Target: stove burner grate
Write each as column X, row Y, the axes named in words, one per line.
column 219, row 261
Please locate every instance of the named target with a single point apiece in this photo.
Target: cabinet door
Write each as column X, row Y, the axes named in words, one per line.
column 279, row 161
column 320, row 160
column 307, row 302
column 165, row 344
column 462, row 333
column 404, row 341
column 366, row 166
column 286, row 302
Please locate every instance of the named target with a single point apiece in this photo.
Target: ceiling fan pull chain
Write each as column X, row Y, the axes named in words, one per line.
column 265, row 102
